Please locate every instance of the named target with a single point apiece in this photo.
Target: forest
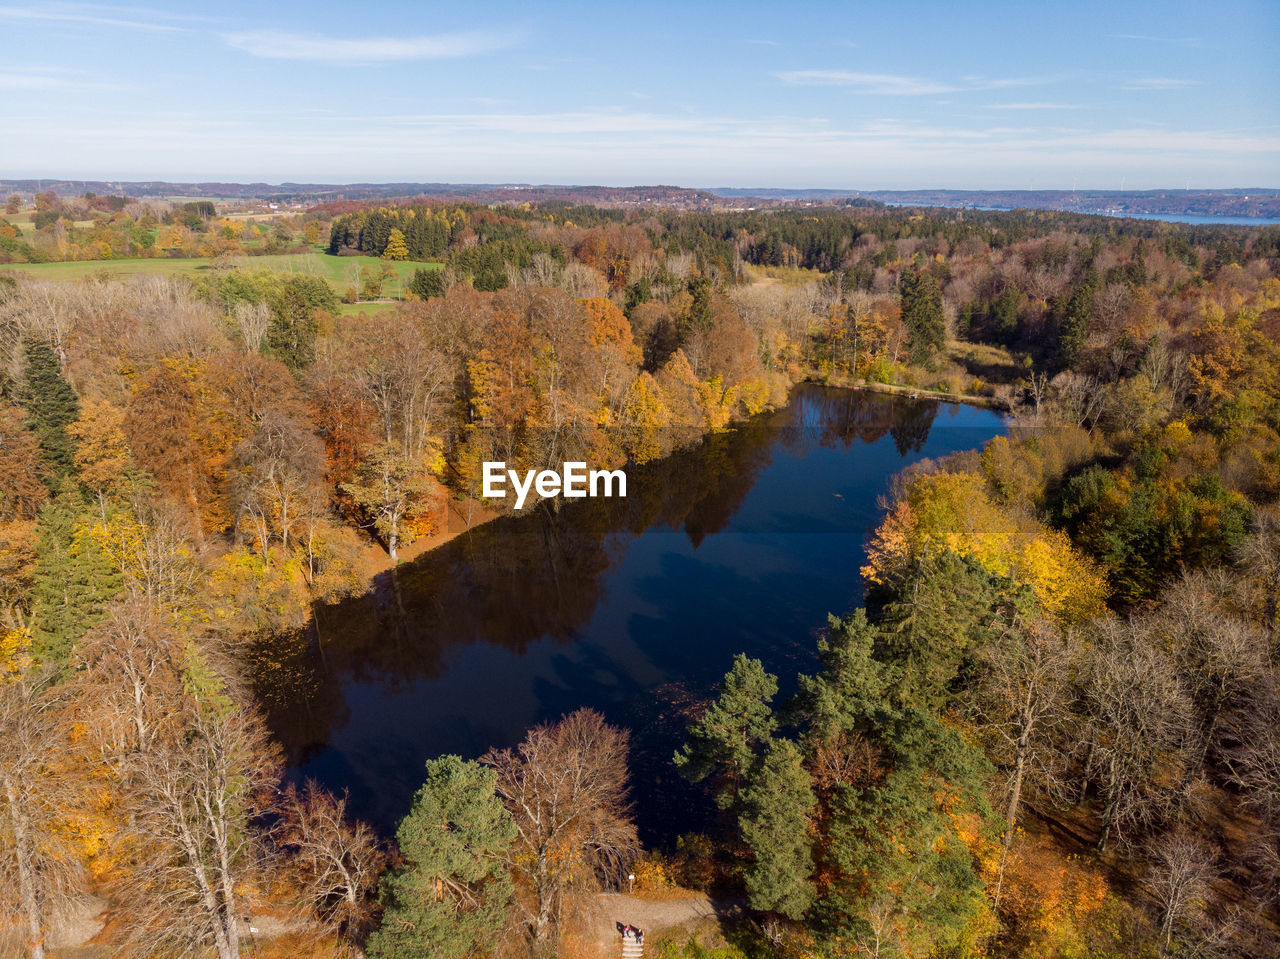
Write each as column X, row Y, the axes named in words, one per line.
column 1053, row 731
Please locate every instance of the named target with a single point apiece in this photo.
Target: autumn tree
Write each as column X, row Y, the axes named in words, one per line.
column 393, row 489
column 451, row 896
column 162, row 425
column 197, row 767
column 945, row 511
column 17, row 572
column 102, row 456
column 275, row 480
column 1021, row 701
column 566, row 789
column 335, row 860
column 399, row 364
column 40, row 870
column 901, row 876
column 396, row 248
column 21, row 469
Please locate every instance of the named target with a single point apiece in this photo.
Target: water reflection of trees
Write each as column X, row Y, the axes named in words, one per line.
column 520, row 579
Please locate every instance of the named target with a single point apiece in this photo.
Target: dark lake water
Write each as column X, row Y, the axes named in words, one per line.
column 633, row 607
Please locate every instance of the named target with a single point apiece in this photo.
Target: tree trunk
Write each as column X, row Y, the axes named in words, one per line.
column 226, row 949
column 542, row 926
column 26, row 874
column 230, row 919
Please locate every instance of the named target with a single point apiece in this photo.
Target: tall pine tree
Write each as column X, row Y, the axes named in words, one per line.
column 729, row 739
column 73, row 581
column 451, row 896
column 777, row 806
column 922, row 315
column 1073, row 327
column 51, row 407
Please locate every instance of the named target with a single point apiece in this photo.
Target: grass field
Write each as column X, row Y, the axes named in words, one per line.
column 340, row 271
column 782, row 275
column 363, row 309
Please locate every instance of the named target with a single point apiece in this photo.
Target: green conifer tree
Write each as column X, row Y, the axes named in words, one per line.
column 903, row 880
column 777, row 805
column 451, row 897
column 936, row 619
column 922, row 315
column 851, row 692
column 1073, row 329
column 51, row 407
column 427, row 283
column 73, row 580
column 730, row 737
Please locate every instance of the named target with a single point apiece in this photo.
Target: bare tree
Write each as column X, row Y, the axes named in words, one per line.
column 277, row 470
column 337, row 861
column 1254, row 762
column 192, row 798
column 1022, row 698
column 39, row 869
column 1220, row 658
column 566, row 788
column 251, row 322
column 1136, row 722
column 1178, row 878
column 196, row 767
column 1260, row 559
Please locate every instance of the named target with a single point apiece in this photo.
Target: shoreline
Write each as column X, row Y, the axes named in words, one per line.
column 917, row 392
column 457, row 521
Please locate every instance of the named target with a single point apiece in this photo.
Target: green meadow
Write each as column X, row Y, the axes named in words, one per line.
column 340, row 271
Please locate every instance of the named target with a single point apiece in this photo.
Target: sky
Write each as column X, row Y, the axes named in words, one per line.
column 845, row 95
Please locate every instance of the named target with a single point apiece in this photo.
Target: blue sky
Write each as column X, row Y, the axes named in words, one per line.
column 851, row 95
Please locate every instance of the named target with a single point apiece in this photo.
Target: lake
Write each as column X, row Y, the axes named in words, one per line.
column 1191, row 219
column 634, row 607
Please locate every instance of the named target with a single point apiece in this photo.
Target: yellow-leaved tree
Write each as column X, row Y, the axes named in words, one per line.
column 953, row 512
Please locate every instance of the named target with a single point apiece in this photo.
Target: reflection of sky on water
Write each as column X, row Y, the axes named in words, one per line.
column 744, row 549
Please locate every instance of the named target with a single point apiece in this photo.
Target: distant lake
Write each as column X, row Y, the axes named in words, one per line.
column 1194, row 219
column 633, row 607
column 1189, row 218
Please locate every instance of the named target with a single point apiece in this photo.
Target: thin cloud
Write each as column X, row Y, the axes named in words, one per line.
column 97, row 16
column 765, row 43
column 1004, row 83
column 40, row 78
column 282, row 45
column 883, row 83
column 1033, row 106
column 1159, row 83
column 894, row 85
column 532, row 147
column 1185, row 41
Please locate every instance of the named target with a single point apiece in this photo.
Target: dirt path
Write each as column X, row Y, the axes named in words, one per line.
column 684, row 915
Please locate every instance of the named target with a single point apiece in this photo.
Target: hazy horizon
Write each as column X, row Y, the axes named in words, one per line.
column 1105, row 95
column 636, row 185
